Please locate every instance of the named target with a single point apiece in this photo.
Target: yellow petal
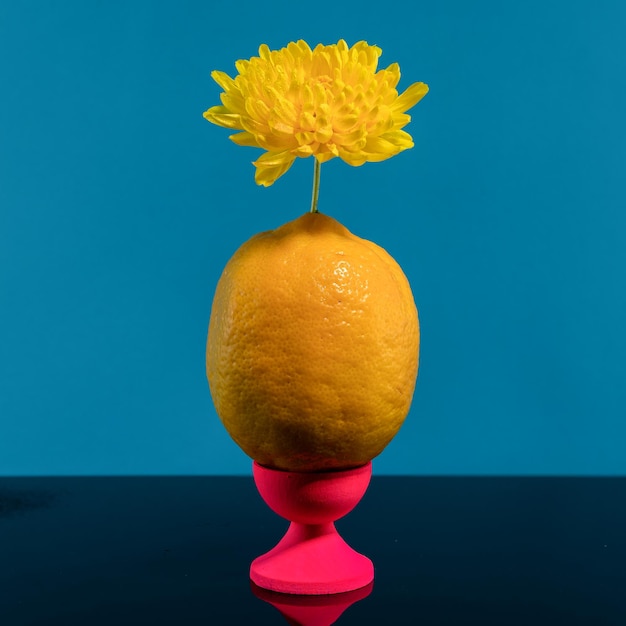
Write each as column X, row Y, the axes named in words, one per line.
column 308, row 122
column 354, row 138
column 352, row 158
column 245, row 139
column 392, row 75
column 264, row 51
column 273, row 158
column 281, row 129
column 223, row 80
column 304, row 137
column 222, row 117
column 252, row 126
column 242, row 66
column 233, row 101
column 273, row 142
column 322, row 157
column 345, row 123
column 323, row 134
column 305, row 150
column 257, row 109
column 379, row 146
column 400, row 120
column 271, row 166
column 410, row 97
column 399, row 138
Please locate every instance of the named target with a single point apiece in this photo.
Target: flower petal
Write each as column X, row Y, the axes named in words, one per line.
column 322, row 157
column 245, row 139
column 223, row 80
column 354, row 158
column 273, row 142
column 233, row 101
column 410, row 97
column 392, row 75
column 399, row 138
column 400, row 120
column 223, row 117
column 379, row 149
column 271, row 166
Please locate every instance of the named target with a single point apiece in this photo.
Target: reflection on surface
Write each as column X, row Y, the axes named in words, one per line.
column 18, row 502
column 308, row 610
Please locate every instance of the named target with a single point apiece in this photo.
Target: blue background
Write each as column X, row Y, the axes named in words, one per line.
column 120, row 205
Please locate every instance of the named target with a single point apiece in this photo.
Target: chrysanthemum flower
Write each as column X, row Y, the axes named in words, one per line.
column 327, row 102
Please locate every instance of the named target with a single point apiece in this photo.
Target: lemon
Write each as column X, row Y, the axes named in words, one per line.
column 312, row 348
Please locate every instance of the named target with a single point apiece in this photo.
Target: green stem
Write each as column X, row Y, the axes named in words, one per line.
column 316, row 185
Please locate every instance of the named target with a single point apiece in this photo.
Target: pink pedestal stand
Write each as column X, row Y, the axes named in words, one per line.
column 312, row 559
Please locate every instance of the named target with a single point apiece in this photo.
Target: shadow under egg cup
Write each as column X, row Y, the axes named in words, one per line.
column 312, row 558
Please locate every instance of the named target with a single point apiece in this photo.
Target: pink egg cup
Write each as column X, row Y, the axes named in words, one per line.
column 312, row 558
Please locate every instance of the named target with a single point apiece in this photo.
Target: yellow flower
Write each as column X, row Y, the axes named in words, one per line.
column 327, row 102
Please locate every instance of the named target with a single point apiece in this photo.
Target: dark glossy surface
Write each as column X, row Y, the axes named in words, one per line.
column 176, row 550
